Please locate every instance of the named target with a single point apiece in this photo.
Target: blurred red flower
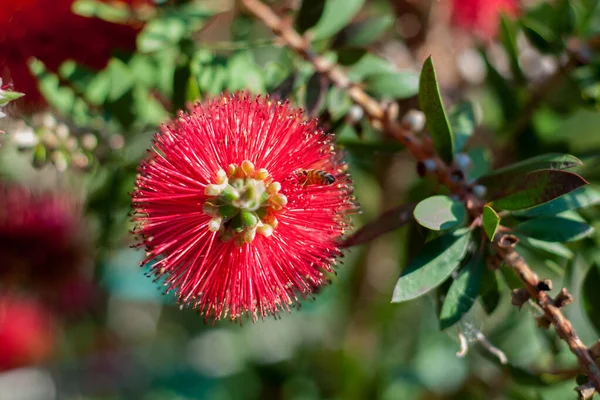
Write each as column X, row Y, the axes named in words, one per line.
column 482, row 17
column 237, row 206
column 27, row 333
column 42, row 244
column 50, row 31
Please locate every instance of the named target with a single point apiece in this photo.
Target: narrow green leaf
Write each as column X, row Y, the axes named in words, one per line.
column 396, row 85
column 591, row 295
column 509, row 40
column 502, row 176
column 431, row 104
column 552, row 248
column 336, row 15
column 491, row 220
column 387, row 222
column 480, row 162
column 462, row 121
column 8, row 95
column 490, row 291
column 192, row 90
column 363, row 33
column 579, row 198
column 431, row 266
column 554, row 229
column 440, row 213
column 535, row 188
column 462, row 294
column 309, row 14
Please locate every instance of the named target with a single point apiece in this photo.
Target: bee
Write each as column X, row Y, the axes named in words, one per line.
column 317, row 177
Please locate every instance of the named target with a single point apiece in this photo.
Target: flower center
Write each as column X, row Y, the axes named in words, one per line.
column 243, row 202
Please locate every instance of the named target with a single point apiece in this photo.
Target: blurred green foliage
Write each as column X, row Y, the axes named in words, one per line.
column 351, row 342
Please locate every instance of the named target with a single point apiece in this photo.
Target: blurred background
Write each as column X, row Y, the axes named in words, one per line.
column 80, row 320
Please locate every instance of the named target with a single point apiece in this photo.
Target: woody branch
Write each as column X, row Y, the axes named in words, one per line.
column 422, row 150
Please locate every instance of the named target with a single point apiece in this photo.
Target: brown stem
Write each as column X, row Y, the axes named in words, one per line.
column 422, row 150
column 564, row 328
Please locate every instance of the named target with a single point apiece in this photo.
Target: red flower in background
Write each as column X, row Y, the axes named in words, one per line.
column 50, row 31
column 42, row 244
column 482, row 17
column 241, row 205
column 27, row 333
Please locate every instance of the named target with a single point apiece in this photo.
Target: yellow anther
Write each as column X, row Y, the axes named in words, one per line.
column 231, row 169
column 210, row 209
column 221, row 177
column 265, row 229
column 247, row 167
column 262, row 174
column 214, row 224
column 213, row 190
column 278, row 201
column 274, row 187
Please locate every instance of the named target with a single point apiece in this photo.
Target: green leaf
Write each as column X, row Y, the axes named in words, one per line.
column 490, row 291
column 591, row 295
column 509, row 40
column 462, row 121
column 535, row 188
column 121, row 79
column 386, row 222
column 431, row 104
column 363, row 33
column 502, row 176
column 583, row 197
column 309, row 14
column 554, row 229
column 192, row 90
column 462, row 294
column 8, row 96
column 432, row 266
column 480, row 162
column 336, row 15
column 491, row 220
column 552, row 248
column 440, row 213
column 395, row 85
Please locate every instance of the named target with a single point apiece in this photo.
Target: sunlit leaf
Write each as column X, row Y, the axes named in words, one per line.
column 431, row 104
column 554, row 229
column 534, row 188
column 432, row 266
column 462, row 294
column 440, row 213
column 491, row 220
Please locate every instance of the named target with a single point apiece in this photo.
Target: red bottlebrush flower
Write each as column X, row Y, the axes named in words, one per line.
column 26, row 333
column 41, row 240
column 51, row 32
column 240, row 206
column 482, row 17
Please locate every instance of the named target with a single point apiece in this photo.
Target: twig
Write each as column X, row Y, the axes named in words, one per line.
column 422, row 150
column 564, row 328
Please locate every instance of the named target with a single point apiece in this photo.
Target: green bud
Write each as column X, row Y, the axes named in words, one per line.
column 249, row 219
column 227, row 211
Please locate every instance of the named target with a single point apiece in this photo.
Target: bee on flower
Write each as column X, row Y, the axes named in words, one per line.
column 225, row 217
